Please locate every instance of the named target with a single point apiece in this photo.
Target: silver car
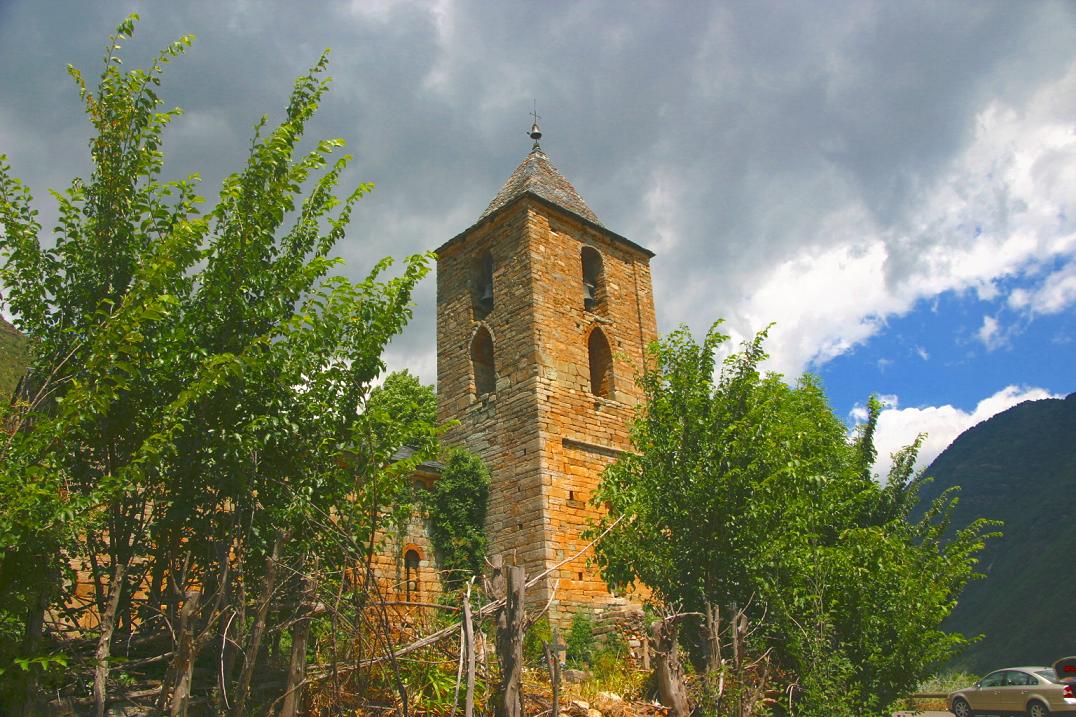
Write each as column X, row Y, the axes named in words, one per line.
column 1034, row 691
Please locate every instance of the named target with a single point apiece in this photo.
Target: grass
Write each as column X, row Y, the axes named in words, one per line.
column 942, row 683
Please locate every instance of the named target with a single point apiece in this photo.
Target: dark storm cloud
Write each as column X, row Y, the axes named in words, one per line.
column 725, row 136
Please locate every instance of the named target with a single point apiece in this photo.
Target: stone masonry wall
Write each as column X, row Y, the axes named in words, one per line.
column 544, row 435
column 582, row 433
column 500, row 426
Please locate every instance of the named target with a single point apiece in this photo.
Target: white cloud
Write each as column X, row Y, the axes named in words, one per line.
column 898, row 427
column 1056, row 293
column 990, row 333
column 1000, row 210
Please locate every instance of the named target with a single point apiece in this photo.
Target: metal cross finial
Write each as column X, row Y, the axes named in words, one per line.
column 536, row 132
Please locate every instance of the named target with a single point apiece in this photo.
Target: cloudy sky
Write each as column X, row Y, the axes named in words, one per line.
column 892, row 183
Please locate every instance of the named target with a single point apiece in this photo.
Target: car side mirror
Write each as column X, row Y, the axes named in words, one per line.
column 978, row 685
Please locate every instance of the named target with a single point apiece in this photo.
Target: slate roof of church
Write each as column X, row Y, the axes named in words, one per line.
column 536, row 174
column 537, row 177
column 407, row 451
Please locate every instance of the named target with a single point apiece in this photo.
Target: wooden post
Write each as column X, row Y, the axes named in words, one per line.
column 713, row 636
column 496, row 583
column 468, row 640
column 734, row 635
column 670, row 672
column 552, row 658
column 510, row 646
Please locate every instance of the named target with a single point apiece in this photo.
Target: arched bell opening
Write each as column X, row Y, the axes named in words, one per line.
column 412, row 582
column 482, row 284
column 483, row 369
column 601, row 364
column 594, row 294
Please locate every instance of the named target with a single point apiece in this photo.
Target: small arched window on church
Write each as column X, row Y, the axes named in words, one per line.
column 482, row 284
column 593, row 280
column 411, row 581
column 601, row 364
column 485, row 374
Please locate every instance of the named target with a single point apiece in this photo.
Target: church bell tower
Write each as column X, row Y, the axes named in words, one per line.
column 543, row 318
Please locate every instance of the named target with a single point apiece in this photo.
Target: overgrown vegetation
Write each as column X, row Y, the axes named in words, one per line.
column 189, row 467
column 537, row 637
column 458, row 504
column 580, row 643
column 746, row 503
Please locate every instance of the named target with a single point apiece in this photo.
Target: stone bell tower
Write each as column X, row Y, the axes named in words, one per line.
column 543, row 316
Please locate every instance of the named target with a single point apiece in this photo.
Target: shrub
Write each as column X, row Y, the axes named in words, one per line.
column 457, row 506
column 580, row 642
column 534, row 642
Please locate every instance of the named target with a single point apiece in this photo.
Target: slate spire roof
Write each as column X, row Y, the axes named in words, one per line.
column 537, row 175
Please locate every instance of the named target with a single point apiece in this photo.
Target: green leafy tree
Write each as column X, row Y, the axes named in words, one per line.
column 743, row 493
column 457, row 507
column 188, row 445
column 403, row 401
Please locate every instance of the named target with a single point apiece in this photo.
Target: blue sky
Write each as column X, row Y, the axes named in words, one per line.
column 893, row 184
column 934, row 354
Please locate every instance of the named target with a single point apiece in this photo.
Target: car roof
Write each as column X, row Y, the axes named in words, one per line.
column 1026, row 668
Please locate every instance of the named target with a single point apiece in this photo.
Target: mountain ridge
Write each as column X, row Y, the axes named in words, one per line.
column 1018, row 466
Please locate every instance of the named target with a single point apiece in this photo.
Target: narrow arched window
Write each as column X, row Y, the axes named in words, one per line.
column 601, row 364
column 411, row 581
column 482, row 284
column 485, row 374
column 593, row 279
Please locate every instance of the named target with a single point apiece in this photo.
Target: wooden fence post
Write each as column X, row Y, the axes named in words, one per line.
column 552, row 658
column 468, row 640
column 670, row 672
column 510, row 646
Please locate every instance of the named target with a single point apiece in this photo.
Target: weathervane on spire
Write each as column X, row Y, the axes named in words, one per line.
column 536, row 131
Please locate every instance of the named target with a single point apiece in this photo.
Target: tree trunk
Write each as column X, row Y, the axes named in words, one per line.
column 184, row 658
column 670, row 672
column 250, row 658
column 300, row 633
column 104, row 641
column 35, row 621
column 510, row 647
column 228, row 651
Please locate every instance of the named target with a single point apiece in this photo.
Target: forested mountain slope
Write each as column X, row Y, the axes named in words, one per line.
column 12, row 358
column 1020, row 467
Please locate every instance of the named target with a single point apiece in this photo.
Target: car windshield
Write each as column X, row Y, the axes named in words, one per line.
column 1049, row 675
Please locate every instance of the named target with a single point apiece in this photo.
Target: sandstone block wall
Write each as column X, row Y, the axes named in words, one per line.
column 545, row 436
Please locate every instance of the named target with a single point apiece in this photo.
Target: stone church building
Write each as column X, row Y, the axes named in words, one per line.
column 543, row 318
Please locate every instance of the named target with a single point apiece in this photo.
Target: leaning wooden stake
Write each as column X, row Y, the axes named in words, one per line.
column 510, row 646
column 552, row 658
column 468, row 640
